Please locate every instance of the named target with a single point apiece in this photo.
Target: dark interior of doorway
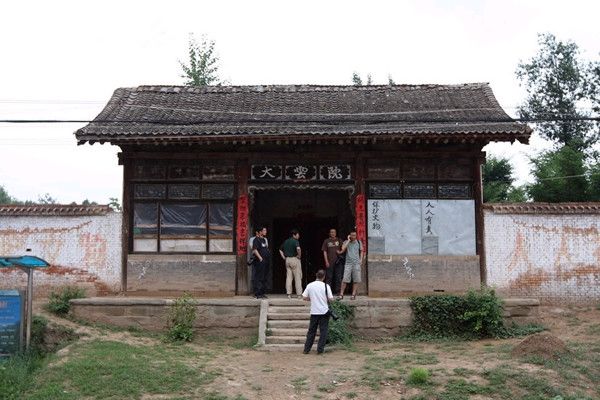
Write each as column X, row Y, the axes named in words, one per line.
column 313, row 212
column 313, row 231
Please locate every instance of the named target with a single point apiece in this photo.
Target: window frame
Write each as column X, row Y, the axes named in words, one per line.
column 166, row 200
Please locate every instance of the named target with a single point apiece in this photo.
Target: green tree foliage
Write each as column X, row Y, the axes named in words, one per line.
column 497, row 175
column 202, row 67
column 559, row 86
column 560, row 175
column 594, row 179
column 357, row 80
column 5, row 198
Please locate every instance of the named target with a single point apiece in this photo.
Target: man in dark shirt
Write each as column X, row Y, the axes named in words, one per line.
column 262, row 255
column 291, row 253
column 333, row 271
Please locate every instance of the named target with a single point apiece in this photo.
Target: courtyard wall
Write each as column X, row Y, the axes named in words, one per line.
column 547, row 251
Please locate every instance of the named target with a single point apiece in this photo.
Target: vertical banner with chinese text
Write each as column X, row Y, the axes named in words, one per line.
column 361, row 229
column 242, row 224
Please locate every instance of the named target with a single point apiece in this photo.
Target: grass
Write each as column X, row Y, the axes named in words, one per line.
column 418, row 377
column 106, row 369
column 300, row 384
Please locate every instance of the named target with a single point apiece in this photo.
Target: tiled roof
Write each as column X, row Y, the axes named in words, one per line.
column 264, row 113
column 53, row 210
column 544, row 208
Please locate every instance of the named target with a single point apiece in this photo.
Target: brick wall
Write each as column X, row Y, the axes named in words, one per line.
column 551, row 252
column 83, row 250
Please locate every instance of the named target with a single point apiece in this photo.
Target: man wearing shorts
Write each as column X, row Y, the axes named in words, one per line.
column 352, row 269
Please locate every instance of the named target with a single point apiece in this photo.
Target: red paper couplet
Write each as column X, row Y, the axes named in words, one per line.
column 242, row 224
column 361, row 227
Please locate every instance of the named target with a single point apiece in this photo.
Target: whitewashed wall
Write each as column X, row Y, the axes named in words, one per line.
column 83, row 251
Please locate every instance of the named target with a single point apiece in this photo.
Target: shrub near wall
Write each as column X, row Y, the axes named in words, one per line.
column 477, row 314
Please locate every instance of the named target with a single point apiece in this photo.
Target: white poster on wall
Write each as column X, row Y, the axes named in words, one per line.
column 409, row 227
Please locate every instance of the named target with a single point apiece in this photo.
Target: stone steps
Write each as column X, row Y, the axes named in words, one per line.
column 285, row 339
column 272, row 324
column 289, row 316
column 290, row 331
column 286, row 324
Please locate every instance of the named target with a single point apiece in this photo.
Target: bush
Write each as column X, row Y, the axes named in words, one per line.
column 339, row 331
column 181, row 319
column 58, row 301
column 477, row 314
column 418, row 376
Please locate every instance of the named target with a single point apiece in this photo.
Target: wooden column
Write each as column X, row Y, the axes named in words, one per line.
column 479, row 224
column 126, row 217
column 241, row 275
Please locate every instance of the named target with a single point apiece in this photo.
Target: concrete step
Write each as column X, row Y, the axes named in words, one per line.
column 273, row 324
column 288, row 316
column 287, row 302
column 285, row 339
column 283, row 347
column 290, row 331
column 289, row 309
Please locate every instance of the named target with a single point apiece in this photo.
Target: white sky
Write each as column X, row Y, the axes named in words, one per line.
column 63, row 60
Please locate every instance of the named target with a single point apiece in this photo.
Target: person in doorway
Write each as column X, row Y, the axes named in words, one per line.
column 352, row 268
column 331, row 248
column 260, row 265
column 291, row 253
column 319, row 294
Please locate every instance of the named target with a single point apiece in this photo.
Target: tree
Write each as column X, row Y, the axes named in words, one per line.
column 5, row 198
column 115, row 204
column 594, row 179
column 46, row 199
column 357, row 80
column 202, row 68
column 559, row 85
column 560, row 175
column 497, row 176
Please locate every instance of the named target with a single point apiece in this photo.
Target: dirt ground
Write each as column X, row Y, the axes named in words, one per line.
column 379, row 370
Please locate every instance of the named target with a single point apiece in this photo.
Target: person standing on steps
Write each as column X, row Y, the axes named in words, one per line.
column 291, row 253
column 319, row 294
column 352, row 269
column 333, row 270
column 260, row 265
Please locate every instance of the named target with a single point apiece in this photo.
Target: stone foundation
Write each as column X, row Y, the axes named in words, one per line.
column 394, row 276
column 203, row 275
column 239, row 316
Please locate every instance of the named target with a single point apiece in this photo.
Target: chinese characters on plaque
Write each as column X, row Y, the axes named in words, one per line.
column 301, row 172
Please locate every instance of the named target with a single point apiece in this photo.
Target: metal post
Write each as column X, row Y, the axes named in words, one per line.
column 29, row 306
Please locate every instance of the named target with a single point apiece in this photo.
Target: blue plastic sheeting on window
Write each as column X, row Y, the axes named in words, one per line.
column 183, row 219
column 145, row 217
column 221, row 220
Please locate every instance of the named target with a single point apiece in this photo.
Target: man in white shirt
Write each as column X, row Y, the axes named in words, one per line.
column 319, row 294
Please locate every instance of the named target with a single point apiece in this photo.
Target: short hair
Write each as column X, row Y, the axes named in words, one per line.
column 353, row 231
column 321, row 274
column 294, row 232
column 259, row 228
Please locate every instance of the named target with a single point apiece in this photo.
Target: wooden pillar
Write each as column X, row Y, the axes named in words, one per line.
column 479, row 224
column 126, row 217
column 241, row 274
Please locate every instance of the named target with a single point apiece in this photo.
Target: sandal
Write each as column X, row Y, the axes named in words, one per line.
column 340, row 297
column 353, row 297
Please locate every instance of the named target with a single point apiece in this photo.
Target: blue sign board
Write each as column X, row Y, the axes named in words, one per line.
column 10, row 321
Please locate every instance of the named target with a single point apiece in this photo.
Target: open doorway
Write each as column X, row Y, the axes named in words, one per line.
column 313, row 213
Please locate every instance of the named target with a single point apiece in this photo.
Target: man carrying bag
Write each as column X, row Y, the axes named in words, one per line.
column 319, row 294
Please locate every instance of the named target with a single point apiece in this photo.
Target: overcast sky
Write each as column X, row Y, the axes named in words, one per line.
column 63, row 60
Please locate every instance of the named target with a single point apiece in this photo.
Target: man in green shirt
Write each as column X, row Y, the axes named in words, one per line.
column 291, row 253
